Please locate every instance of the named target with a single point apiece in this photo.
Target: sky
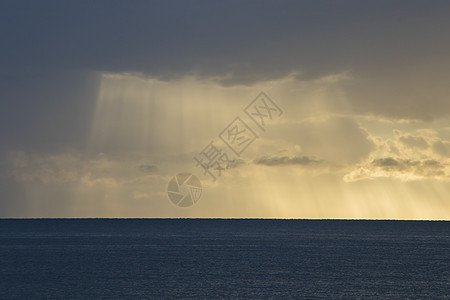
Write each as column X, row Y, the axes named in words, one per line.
column 318, row 109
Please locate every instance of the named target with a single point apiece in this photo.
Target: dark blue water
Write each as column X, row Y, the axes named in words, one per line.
column 148, row 258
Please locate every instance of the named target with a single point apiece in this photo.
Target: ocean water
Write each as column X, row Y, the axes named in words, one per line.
column 232, row 259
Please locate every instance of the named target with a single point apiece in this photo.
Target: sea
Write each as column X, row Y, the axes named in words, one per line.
column 223, row 259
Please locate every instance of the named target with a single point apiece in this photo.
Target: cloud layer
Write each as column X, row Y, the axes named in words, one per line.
column 103, row 102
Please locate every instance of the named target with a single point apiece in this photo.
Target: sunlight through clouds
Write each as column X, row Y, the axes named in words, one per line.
column 317, row 161
column 96, row 126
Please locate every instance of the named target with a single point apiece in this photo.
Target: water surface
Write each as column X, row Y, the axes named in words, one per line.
column 213, row 258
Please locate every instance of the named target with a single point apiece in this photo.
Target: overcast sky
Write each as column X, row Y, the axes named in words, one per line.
column 103, row 102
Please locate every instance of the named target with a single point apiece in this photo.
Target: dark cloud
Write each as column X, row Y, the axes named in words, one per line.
column 148, row 168
column 426, row 168
column 285, row 160
column 387, row 162
column 42, row 111
column 51, row 49
column 236, row 163
column 251, row 41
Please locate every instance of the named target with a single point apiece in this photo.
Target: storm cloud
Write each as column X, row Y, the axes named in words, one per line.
column 285, row 161
column 107, row 100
